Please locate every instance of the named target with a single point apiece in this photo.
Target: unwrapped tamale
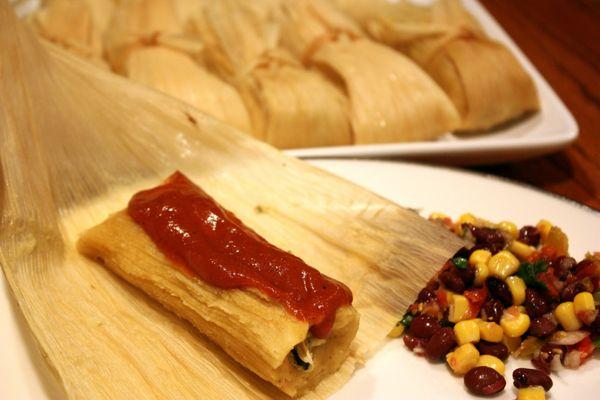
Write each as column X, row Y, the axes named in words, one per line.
column 265, row 307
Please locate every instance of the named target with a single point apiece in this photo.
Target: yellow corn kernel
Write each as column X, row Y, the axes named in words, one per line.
column 458, row 308
column 503, row 264
column 481, row 274
column 520, row 249
column 509, row 228
column 480, row 256
column 467, row 218
column 565, row 315
column 514, row 322
column 490, row 331
column 396, row 331
column 517, row 288
column 531, row 393
column 512, row 343
column 463, row 358
column 492, row 362
column 544, row 227
column 438, row 215
column 584, row 301
column 466, row 332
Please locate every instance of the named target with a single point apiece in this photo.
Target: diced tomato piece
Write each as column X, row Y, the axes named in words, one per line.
column 477, row 298
column 442, row 298
column 546, row 253
column 551, row 281
column 586, row 347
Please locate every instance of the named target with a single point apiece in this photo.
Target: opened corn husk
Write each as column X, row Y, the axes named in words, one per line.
column 392, row 100
column 77, row 142
column 483, row 78
column 176, row 74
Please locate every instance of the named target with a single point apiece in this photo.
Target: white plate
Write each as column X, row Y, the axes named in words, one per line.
column 552, row 129
column 394, row 372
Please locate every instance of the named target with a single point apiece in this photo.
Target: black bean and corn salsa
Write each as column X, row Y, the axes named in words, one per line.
column 513, row 292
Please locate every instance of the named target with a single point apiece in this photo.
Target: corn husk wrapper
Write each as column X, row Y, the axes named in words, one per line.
column 392, row 99
column 482, row 77
column 77, row 142
column 293, row 108
column 178, row 75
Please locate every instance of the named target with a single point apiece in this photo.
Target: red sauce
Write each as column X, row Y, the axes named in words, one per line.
column 212, row 244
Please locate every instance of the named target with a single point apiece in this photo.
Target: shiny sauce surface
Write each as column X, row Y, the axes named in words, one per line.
column 210, row 243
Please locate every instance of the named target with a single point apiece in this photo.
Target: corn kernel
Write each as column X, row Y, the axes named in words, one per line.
column 503, row 264
column 520, row 249
column 514, row 322
column 463, row 358
column 509, row 228
column 458, row 308
column 490, row 331
column 486, row 360
column 396, row 331
column 517, row 288
column 481, row 274
column 467, row 218
column 467, row 332
column 512, row 343
column 544, row 227
column 531, row 393
column 584, row 301
column 480, row 256
column 565, row 315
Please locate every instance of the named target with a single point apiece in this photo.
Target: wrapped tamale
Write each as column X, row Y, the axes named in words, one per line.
column 265, row 307
column 392, row 99
column 72, row 25
column 481, row 76
column 176, row 74
column 290, row 107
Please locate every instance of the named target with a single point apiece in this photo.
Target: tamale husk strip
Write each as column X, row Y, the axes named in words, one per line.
column 77, row 142
column 178, row 75
column 392, row 99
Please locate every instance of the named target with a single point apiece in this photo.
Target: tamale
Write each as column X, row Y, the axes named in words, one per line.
column 251, row 326
column 482, row 77
column 392, row 99
column 178, row 75
column 71, row 25
column 137, row 23
column 77, row 142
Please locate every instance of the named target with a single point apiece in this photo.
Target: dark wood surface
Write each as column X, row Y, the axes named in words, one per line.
column 562, row 39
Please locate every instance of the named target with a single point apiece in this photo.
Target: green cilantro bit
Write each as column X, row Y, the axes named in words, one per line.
column 460, row 262
column 407, row 320
column 597, row 343
column 528, row 272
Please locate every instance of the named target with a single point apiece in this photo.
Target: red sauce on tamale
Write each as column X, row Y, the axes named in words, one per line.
column 210, row 243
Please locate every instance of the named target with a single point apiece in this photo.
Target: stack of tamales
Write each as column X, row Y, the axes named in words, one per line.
column 305, row 73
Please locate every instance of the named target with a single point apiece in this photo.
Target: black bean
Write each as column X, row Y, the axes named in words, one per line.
column 562, row 266
column 413, row 342
column 499, row 290
column 452, row 281
column 463, row 253
column 488, row 238
column 467, row 275
column 423, row 326
column 571, row 290
column 440, row 343
column 492, row 311
column 484, row 381
column 529, row 235
column 542, row 326
column 535, row 304
column 426, row 294
column 498, row 350
column 526, row 377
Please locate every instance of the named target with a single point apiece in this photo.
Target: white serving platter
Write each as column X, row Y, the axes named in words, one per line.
column 394, row 372
column 552, row 129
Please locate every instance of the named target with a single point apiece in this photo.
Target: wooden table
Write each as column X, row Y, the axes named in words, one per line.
column 562, row 39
